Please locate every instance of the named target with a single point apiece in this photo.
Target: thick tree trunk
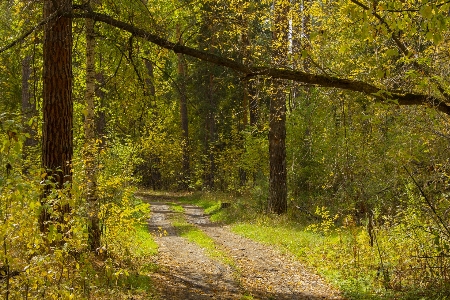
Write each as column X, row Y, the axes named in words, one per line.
column 277, row 202
column 90, row 138
column 57, row 144
column 184, row 118
column 277, row 150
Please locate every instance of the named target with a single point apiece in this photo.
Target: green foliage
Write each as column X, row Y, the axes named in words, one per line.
column 58, row 264
column 384, row 167
column 394, row 259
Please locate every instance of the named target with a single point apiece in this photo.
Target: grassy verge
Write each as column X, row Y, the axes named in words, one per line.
column 342, row 255
column 195, row 235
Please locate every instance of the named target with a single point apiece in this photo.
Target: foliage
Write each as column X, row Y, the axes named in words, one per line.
column 383, row 169
column 58, row 264
column 393, row 260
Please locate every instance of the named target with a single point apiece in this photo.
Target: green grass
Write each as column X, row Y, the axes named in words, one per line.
column 197, row 236
column 176, row 207
column 143, row 243
column 319, row 251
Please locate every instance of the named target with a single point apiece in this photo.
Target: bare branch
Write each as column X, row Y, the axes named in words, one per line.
column 28, row 32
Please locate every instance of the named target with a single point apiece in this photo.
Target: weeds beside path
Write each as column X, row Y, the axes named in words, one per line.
column 231, row 267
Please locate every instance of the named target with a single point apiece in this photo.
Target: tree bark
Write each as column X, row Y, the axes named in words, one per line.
column 184, row 117
column 90, row 141
column 57, row 144
column 28, row 106
column 277, row 202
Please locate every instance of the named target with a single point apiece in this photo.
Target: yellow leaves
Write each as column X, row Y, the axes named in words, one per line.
column 426, row 11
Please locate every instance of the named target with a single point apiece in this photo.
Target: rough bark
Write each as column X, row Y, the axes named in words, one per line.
column 277, row 202
column 57, row 144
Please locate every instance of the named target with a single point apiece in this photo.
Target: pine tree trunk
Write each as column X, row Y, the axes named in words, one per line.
column 277, row 150
column 277, row 202
column 57, row 144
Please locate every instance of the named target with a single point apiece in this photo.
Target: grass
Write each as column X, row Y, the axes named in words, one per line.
column 143, row 243
column 342, row 255
column 176, row 207
column 197, row 236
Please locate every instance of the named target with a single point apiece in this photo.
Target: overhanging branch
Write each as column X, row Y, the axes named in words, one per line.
column 400, row 97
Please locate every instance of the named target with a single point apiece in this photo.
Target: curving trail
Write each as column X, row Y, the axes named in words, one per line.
column 258, row 272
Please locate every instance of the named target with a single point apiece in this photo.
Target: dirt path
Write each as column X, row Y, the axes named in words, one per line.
column 186, row 271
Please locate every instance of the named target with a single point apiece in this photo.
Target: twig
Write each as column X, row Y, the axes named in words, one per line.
column 428, row 202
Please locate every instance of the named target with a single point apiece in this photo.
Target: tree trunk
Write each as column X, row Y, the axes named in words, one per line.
column 277, row 150
column 90, row 138
column 184, row 117
column 211, row 133
column 28, row 106
column 57, row 144
column 100, row 118
column 277, row 202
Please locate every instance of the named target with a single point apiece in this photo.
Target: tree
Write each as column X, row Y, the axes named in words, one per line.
column 57, row 142
column 277, row 201
column 183, row 115
column 90, row 140
column 28, row 105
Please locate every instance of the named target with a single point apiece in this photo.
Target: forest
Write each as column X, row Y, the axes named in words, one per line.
column 317, row 127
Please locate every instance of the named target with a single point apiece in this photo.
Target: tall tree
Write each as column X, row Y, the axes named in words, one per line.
column 28, row 105
column 90, row 138
column 57, row 143
column 183, row 115
column 277, row 202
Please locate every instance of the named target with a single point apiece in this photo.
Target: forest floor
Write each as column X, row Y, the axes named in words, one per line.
column 228, row 267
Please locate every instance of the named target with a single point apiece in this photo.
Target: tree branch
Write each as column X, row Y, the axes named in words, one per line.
column 28, row 32
column 382, row 95
column 402, row 98
column 403, row 48
column 395, row 37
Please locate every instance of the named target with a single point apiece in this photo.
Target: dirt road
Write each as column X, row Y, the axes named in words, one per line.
column 257, row 271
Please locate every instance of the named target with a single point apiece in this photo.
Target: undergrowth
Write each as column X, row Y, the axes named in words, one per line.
column 394, row 260
column 58, row 263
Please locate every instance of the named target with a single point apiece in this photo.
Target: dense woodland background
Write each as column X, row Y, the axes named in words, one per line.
column 331, row 113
